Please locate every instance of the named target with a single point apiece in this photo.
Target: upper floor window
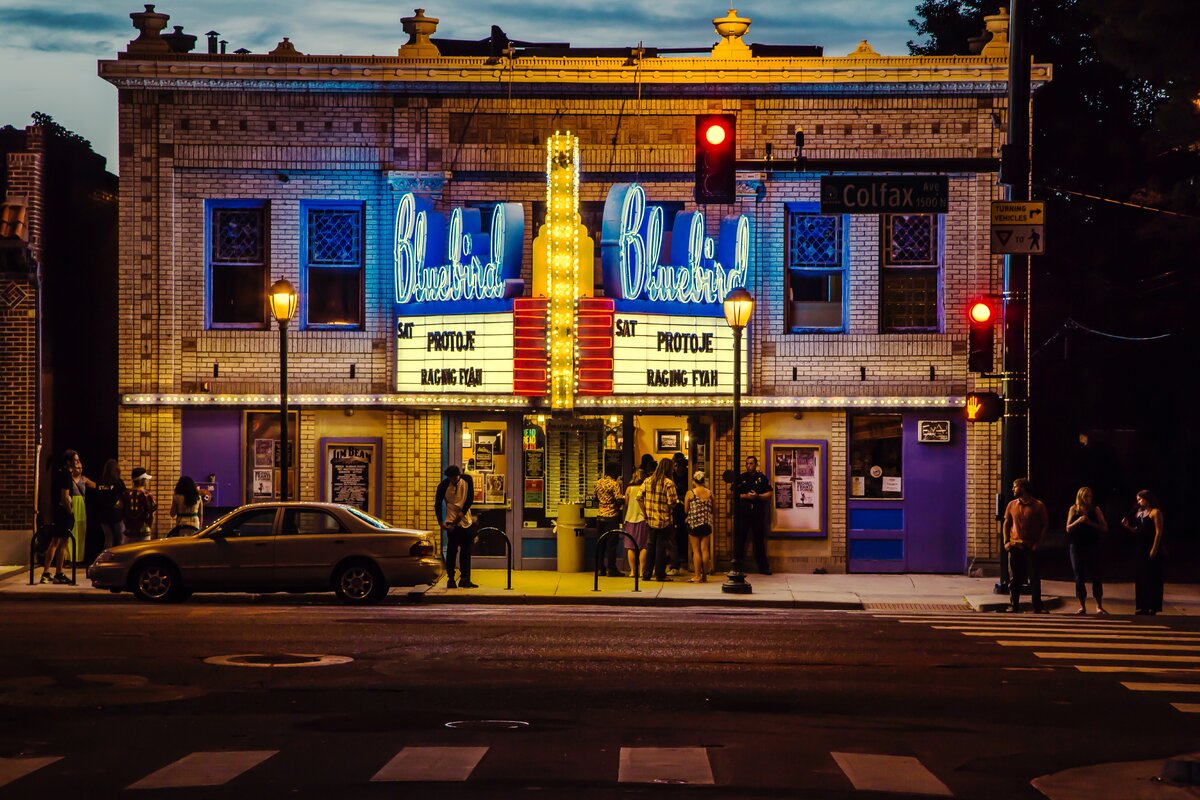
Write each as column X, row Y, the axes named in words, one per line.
column 817, row 255
column 237, row 255
column 911, row 277
column 332, row 253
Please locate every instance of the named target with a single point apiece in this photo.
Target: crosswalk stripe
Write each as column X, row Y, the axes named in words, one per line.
column 1099, row 645
column 431, row 764
column 1016, row 619
column 900, row 774
column 12, row 769
column 665, row 765
column 1108, row 668
column 1152, row 637
column 204, row 769
column 1119, row 657
column 1187, row 708
column 983, row 626
column 1140, row 686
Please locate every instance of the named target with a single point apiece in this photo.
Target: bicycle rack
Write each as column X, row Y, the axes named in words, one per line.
column 637, row 558
column 508, row 550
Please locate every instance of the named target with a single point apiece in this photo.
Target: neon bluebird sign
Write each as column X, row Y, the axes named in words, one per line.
column 448, row 265
column 702, row 270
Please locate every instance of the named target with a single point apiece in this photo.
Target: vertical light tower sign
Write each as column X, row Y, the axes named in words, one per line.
column 562, row 263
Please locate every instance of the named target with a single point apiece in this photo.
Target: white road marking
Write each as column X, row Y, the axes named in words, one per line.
column 665, row 765
column 1187, row 708
column 1107, row 668
column 1115, row 628
column 432, row 764
column 900, row 774
column 1100, row 645
column 1138, row 686
column 204, row 769
column 1014, row 619
column 1120, row 657
column 1153, row 637
column 12, row 769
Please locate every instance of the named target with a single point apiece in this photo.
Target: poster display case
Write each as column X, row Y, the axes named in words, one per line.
column 799, row 479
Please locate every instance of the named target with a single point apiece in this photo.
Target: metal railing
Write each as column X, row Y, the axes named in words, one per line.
column 508, row 549
column 33, row 550
column 637, row 558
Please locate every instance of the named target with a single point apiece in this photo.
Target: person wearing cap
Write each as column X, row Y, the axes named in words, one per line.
column 698, row 505
column 452, row 506
column 139, row 508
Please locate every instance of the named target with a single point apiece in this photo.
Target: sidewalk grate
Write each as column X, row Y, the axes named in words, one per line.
column 963, row 606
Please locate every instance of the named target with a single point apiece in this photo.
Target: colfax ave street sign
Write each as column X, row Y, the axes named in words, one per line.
column 1018, row 228
column 885, row 194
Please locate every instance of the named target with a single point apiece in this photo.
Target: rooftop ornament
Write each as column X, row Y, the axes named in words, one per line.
column 419, row 28
column 150, row 25
column 286, row 48
column 997, row 26
column 864, row 50
column 731, row 28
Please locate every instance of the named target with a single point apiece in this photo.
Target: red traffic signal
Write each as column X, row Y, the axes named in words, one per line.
column 981, row 335
column 716, row 158
column 984, row 407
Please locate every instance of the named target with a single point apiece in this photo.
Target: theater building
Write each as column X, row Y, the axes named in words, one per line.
column 501, row 264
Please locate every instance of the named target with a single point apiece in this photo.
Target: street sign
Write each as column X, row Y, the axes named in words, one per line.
column 1018, row 240
column 1006, row 213
column 885, row 194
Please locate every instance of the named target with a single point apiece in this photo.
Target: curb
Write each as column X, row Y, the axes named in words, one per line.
column 989, row 603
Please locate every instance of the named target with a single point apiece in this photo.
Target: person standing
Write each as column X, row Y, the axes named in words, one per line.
column 80, row 485
column 635, row 525
column 608, row 517
column 1024, row 525
column 1085, row 523
column 658, row 501
column 110, row 503
column 62, row 487
column 679, row 476
column 1147, row 525
column 452, row 506
column 753, row 490
column 186, row 504
column 699, row 507
column 139, row 508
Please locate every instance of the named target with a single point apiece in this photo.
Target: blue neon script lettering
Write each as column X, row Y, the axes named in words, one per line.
column 702, row 269
column 422, row 237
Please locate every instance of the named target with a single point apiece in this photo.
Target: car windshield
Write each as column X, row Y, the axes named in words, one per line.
column 367, row 518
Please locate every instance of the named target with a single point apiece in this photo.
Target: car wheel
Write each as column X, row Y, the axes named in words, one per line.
column 359, row 583
column 157, row 581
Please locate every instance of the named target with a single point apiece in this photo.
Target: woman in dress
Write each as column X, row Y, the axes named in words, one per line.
column 1085, row 523
column 635, row 524
column 80, row 483
column 1147, row 525
column 185, row 508
column 698, row 504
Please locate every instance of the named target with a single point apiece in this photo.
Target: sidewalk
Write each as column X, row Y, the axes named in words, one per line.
column 915, row 593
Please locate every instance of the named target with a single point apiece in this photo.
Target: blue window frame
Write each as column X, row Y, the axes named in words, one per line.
column 331, row 254
column 818, row 253
column 236, row 256
column 910, row 284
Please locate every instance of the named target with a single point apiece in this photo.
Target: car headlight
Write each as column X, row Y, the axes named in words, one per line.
column 104, row 558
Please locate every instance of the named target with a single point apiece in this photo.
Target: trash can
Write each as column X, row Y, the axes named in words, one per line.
column 570, row 532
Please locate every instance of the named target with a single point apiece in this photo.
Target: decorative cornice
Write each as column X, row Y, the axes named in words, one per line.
column 422, row 183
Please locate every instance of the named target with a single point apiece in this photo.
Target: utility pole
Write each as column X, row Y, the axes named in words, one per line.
column 1014, row 173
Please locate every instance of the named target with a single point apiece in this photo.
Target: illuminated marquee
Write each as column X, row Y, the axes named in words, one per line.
column 674, row 355
column 455, row 353
column 701, row 270
column 447, row 265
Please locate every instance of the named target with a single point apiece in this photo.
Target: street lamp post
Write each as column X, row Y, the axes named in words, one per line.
column 283, row 308
column 739, row 305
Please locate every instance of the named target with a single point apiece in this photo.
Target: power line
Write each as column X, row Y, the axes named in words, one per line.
column 1125, row 203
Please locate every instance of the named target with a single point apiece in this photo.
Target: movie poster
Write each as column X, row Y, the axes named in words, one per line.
column 798, row 481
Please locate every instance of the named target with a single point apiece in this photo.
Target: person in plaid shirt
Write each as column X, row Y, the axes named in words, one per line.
column 608, row 497
column 658, row 501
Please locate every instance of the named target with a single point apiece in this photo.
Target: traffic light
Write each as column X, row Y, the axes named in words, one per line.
column 981, row 316
column 984, row 407
column 716, row 158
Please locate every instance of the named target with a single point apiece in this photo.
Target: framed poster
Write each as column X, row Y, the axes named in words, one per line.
column 668, row 441
column 263, row 462
column 495, row 439
column 933, row 431
column 799, row 480
column 352, row 472
column 493, row 493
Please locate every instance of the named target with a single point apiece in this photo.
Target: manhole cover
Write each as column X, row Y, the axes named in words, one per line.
column 488, row 724
column 277, row 660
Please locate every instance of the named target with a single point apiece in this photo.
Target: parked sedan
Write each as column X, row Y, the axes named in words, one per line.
column 306, row 547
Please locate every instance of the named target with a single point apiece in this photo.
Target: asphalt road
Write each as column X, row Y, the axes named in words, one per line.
column 117, row 700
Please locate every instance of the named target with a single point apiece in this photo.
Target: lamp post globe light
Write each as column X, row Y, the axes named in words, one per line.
column 283, row 301
column 739, row 305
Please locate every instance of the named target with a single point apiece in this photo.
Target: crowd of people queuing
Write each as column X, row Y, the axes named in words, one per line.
column 125, row 512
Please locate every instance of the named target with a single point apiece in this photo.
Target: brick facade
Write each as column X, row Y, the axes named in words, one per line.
column 288, row 129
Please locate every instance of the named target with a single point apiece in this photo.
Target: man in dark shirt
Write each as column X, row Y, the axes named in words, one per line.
column 452, row 506
column 753, row 491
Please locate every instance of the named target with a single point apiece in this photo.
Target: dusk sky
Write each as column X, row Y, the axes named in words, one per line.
column 49, row 49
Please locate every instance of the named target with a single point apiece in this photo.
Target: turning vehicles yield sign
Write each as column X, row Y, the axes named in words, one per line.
column 1018, row 228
